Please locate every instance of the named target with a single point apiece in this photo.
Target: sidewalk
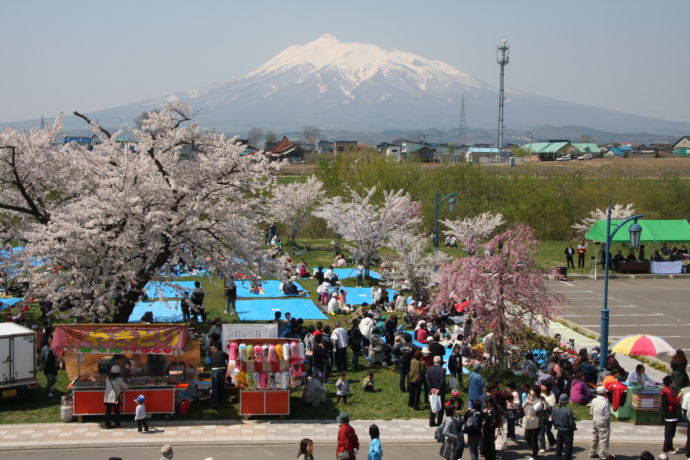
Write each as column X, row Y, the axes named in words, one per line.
column 76, row 435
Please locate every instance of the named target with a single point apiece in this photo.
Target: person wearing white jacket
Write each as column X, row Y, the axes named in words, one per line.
column 601, row 424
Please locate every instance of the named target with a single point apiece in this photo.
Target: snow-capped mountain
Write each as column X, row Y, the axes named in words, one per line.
column 355, row 86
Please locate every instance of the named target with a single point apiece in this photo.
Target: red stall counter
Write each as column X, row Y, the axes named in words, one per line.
column 88, row 399
column 264, row 402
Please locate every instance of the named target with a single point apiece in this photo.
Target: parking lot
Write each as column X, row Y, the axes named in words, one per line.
column 638, row 306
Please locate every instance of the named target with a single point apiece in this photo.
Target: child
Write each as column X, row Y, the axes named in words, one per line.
column 368, row 383
column 342, row 388
column 140, row 415
column 375, row 451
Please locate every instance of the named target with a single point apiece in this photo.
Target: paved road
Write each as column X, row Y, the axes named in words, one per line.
column 287, row 452
column 651, row 306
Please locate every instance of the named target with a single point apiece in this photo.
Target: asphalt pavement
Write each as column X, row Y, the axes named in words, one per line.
column 289, row 451
column 637, row 306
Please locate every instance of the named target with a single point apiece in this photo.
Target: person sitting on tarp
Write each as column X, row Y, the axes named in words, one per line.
column 289, row 288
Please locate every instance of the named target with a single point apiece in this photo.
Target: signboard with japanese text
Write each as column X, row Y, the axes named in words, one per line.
column 249, row 331
column 157, row 339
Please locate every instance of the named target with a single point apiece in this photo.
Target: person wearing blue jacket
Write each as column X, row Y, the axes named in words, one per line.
column 475, row 388
column 375, row 451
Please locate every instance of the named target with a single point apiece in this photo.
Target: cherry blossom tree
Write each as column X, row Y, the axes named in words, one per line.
column 291, row 204
column 471, row 230
column 108, row 220
column 618, row 212
column 412, row 267
column 366, row 225
column 506, row 289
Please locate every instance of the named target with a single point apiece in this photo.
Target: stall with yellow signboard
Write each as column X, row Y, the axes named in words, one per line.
column 157, row 360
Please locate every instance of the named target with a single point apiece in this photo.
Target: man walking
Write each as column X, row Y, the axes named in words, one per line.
column 601, row 422
column 436, row 382
column 569, row 251
column 340, row 342
column 230, row 294
column 564, row 422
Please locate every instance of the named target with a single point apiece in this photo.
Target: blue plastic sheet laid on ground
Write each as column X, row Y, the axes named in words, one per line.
column 8, row 302
column 358, row 296
column 163, row 311
column 156, row 289
column 345, row 273
column 270, row 289
column 265, row 309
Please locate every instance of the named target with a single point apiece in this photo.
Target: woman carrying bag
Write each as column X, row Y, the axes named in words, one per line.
column 114, row 386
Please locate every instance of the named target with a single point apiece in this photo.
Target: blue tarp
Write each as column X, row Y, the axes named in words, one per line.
column 156, row 289
column 345, row 273
column 265, row 309
column 270, row 289
column 358, row 296
column 163, row 311
column 8, row 302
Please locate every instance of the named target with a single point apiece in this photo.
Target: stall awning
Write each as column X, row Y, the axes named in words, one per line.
column 653, row 231
column 158, row 339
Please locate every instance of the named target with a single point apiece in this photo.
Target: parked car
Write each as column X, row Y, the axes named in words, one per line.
column 586, row 156
column 564, row 158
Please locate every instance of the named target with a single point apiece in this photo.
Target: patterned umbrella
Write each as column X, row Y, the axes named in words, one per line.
column 642, row 345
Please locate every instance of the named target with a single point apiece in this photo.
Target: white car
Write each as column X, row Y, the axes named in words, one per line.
column 586, row 156
column 564, row 158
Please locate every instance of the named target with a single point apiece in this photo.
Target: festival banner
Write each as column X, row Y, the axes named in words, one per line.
column 152, row 339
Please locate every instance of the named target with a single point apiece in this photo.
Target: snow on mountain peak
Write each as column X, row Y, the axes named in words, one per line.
column 358, row 62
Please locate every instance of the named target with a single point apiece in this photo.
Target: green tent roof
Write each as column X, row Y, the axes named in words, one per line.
column 653, row 231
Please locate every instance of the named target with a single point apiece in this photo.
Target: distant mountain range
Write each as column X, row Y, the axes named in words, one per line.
column 355, row 87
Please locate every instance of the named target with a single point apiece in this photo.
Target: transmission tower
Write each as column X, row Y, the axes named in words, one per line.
column 463, row 123
column 502, row 59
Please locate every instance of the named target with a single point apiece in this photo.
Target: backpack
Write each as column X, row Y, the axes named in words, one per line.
column 438, row 434
column 471, row 425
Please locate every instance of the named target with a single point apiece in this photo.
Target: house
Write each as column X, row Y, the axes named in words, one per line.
column 324, row 147
column 549, row 151
column 682, row 146
column 481, row 154
column 345, row 146
column 620, row 151
column 393, row 152
column 586, row 147
column 285, row 149
column 383, row 146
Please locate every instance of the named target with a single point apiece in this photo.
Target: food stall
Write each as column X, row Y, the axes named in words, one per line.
column 265, row 371
column 157, row 360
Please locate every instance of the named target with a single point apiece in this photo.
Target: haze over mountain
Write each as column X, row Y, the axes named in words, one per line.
column 361, row 87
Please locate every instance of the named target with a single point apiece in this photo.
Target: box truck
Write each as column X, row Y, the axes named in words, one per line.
column 17, row 360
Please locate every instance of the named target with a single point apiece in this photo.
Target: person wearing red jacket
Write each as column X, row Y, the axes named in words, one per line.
column 669, row 405
column 347, row 438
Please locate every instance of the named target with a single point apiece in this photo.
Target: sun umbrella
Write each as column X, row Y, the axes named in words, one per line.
column 642, row 345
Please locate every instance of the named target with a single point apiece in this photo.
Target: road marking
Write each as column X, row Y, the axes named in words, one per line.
column 637, row 325
column 585, row 298
column 599, row 306
column 594, row 314
column 569, row 284
column 584, row 292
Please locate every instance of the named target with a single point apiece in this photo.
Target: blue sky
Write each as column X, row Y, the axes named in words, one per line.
column 67, row 55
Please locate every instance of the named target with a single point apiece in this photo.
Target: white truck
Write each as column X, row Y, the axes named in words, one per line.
column 17, row 361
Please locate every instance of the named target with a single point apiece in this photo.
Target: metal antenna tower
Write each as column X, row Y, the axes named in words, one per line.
column 502, row 59
column 463, row 123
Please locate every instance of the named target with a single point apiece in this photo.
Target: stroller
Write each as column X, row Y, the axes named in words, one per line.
column 378, row 351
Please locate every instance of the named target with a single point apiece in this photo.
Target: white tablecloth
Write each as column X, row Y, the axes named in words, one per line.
column 667, row 267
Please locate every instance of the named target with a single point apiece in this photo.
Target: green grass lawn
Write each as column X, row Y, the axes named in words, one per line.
column 386, row 403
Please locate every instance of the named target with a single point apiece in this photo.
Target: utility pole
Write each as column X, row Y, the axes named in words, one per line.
column 502, row 59
column 463, row 123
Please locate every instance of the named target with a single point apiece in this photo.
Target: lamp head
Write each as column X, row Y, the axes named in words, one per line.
column 451, row 204
column 635, row 233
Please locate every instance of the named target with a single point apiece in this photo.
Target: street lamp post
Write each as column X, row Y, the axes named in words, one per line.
column 635, row 231
column 437, row 207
